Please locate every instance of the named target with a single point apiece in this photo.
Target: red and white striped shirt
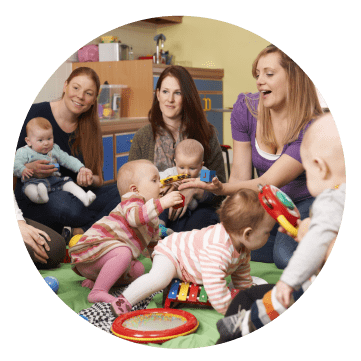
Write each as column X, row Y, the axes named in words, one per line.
column 207, row 257
column 133, row 223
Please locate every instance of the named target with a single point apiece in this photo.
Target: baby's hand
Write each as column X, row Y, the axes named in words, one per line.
column 171, row 199
column 27, row 173
column 303, row 228
column 283, row 293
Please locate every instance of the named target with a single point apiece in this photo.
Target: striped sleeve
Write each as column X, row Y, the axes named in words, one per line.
column 139, row 214
column 214, row 262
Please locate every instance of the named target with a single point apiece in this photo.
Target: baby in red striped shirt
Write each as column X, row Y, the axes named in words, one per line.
column 106, row 255
column 209, row 255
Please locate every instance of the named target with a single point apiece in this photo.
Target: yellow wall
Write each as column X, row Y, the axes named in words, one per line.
column 201, row 43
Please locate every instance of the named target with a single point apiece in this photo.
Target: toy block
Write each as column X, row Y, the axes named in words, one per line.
column 180, row 205
column 207, row 175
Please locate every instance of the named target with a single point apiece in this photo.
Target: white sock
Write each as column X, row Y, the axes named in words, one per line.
column 32, row 192
column 85, row 198
column 43, row 193
column 91, row 197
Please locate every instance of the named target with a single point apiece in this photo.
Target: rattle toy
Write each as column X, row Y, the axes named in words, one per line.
column 280, row 207
column 155, row 325
column 56, row 165
column 185, row 292
column 74, row 240
column 180, row 205
column 174, row 178
column 53, row 283
column 207, row 175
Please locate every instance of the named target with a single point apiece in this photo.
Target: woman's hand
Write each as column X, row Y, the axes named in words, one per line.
column 215, row 187
column 35, row 238
column 85, row 177
column 41, row 168
column 188, row 194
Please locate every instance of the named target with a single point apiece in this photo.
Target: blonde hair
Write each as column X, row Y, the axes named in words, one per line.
column 38, row 122
column 303, row 104
column 129, row 174
column 241, row 210
column 190, row 147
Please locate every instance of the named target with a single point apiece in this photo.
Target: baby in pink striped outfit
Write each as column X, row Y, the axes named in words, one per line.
column 107, row 253
column 209, row 255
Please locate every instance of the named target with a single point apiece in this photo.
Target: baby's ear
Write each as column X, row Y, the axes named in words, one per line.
column 133, row 188
column 322, row 167
column 27, row 141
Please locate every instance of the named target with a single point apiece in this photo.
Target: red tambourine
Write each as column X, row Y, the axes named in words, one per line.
column 280, row 207
column 155, row 325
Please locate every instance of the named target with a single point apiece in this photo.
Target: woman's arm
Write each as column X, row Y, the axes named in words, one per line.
column 242, row 162
column 282, row 172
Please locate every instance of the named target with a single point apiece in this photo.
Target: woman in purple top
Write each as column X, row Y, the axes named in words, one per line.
column 267, row 130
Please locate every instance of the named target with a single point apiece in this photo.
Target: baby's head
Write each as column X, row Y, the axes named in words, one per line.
column 245, row 220
column 188, row 157
column 39, row 135
column 322, row 155
column 140, row 176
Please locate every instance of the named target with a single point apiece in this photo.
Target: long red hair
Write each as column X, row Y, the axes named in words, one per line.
column 88, row 137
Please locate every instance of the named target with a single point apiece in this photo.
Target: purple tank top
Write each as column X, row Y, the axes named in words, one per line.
column 244, row 126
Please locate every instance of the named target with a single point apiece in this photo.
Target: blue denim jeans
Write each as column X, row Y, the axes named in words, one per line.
column 280, row 247
column 64, row 209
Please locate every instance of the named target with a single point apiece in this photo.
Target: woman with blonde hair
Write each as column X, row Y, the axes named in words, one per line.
column 77, row 131
column 267, row 130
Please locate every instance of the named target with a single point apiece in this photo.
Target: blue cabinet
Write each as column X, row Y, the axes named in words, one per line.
column 108, row 166
column 116, row 152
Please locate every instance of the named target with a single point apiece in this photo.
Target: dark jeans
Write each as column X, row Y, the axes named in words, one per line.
column 64, row 209
column 280, row 247
column 203, row 216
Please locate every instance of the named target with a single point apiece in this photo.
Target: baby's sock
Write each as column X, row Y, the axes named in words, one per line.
column 43, row 193
column 85, row 197
column 37, row 193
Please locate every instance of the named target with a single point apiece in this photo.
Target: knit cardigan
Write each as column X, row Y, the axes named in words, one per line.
column 143, row 146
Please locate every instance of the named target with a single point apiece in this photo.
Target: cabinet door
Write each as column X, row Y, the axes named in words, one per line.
column 214, row 101
column 108, row 166
column 123, row 142
column 120, row 160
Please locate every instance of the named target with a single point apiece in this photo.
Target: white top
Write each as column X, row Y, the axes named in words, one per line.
column 266, row 155
column 18, row 212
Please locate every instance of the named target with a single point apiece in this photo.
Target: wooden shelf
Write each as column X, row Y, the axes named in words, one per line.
column 123, row 125
column 165, row 20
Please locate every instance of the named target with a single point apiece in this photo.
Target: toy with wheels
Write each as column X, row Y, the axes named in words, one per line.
column 53, row 283
column 155, row 325
column 280, row 207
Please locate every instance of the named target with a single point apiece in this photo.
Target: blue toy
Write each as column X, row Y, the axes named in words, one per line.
column 207, row 175
column 56, row 165
column 53, row 283
column 163, row 231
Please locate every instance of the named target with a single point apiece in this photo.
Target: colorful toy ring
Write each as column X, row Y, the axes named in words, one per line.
column 155, row 325
column 280, row 207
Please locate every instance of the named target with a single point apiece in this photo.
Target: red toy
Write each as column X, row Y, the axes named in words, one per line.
column 185, row 292
column 280, row 207
column 180, row 205
column 155, row 325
